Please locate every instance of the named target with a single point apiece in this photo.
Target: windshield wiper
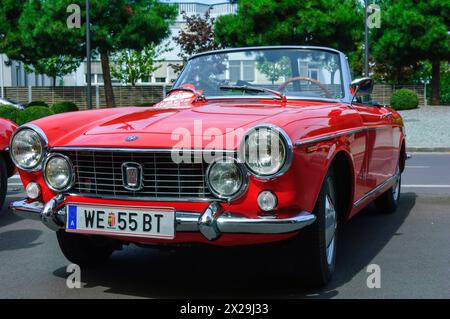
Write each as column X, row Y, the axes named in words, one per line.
column 246, row 88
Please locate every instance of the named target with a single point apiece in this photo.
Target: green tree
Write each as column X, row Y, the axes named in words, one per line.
column 273, row 70
column 130, row 66
column 412, row 31
column 331, row 23
column 37, row 29
column 55, row 67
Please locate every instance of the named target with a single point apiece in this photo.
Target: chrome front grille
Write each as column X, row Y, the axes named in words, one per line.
column 99, row 173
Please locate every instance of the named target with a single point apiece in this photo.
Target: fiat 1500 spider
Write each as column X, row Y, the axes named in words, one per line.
column 250, row 146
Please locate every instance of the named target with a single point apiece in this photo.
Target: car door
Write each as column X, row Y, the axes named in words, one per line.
column 378, row 161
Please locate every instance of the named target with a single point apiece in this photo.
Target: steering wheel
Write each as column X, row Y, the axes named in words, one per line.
column 282, row 87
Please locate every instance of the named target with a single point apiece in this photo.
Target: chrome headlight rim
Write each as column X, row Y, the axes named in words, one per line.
column 44, row 143
column 289, row 147
column 71, row 168
column 244, row 174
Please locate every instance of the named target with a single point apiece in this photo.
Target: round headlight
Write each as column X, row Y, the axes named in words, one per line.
column 58, row 172
column 225, row 178
column 27, row 149
column 266, row 151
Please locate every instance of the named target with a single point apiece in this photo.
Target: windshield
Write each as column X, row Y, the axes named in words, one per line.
column 298, row 73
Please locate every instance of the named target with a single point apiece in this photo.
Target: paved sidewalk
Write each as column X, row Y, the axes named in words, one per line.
column 428, row 128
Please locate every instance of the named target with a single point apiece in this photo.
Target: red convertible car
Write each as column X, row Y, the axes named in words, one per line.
column 251, row 146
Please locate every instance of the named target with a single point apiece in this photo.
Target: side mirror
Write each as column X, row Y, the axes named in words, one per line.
column 361, row 87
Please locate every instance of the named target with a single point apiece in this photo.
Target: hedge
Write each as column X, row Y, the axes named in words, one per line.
column 404, row 99
column 36, row 103
column 33, row 113
column 63, row 107
column 9, row 112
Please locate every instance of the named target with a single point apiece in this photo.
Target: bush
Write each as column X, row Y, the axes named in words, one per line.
column 144, row 104
column 9, row 112
column 63, row 107
column 404, row 99
column 36, row 103
column 32, row 113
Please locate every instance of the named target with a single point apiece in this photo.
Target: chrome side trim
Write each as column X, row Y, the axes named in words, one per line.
column 375, row 190
column 335, row 135
column 327, row 137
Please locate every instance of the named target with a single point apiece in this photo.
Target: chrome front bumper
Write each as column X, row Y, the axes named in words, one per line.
column 211, row 223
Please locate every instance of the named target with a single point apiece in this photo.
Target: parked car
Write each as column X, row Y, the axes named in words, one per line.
column 4, row 101
column 7, row 168
column 252, row 146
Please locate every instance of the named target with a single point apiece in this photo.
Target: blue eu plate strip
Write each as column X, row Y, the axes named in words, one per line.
column 72, row 220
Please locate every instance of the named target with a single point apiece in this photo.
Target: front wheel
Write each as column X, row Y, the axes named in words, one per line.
column 313, row 251
column 88, row 251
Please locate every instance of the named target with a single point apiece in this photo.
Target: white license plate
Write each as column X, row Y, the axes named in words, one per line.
column 121, row 221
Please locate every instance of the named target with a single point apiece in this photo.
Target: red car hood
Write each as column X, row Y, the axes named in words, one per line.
column 196, row 120
column 155, row 127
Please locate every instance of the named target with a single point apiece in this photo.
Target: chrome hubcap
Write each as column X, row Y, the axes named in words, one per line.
column 330, row 228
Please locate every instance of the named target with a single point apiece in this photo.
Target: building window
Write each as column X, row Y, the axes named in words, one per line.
column 235, row 71
column 242, row 70
column 100, row 79
column 160, row 80
column 314, row 74
column 248, row 73
column 18, row 81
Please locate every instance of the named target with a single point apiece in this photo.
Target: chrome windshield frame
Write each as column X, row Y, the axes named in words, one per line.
column 343, row 60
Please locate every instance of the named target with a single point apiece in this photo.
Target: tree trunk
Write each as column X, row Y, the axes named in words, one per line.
column 435, row 81
column 54, row 81
column 109, row 93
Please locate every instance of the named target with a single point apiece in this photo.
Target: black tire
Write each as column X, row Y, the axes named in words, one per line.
column 314, row 264
column 387, row 203
column 85, row 251
column 3, row 181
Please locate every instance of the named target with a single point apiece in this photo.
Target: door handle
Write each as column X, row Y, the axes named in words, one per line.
column 386, row 115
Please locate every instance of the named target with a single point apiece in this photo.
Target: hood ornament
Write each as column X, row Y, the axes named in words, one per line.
column 131, row 138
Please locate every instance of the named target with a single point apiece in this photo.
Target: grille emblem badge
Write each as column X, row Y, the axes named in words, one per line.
column 132, row 176
column 131, row 138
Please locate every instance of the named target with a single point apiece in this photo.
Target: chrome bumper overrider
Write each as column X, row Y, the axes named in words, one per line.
column 211, row 223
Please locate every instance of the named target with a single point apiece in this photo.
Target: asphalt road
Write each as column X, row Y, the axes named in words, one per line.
column 411, row 247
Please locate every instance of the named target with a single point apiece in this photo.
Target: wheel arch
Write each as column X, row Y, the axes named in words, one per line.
column 10, row 167
column 403, row 156
column 343, row 170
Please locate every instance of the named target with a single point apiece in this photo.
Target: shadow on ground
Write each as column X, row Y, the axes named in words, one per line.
column 205, row 272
